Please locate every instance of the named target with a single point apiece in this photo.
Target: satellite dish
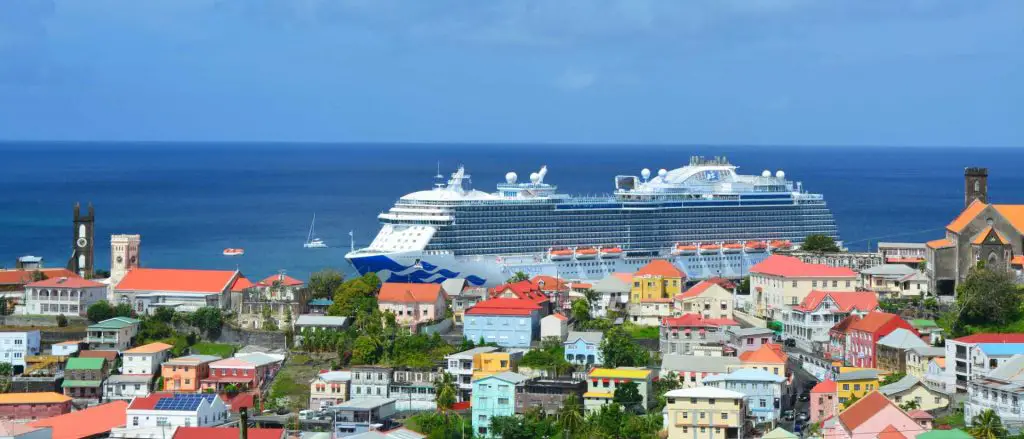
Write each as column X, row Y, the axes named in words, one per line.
column 645, row 173
column 511, row 177
column 534, row 177
column 766, row 173
column 780, row 174
column 662, row 173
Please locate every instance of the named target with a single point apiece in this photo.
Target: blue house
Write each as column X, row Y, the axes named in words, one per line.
column 584, row 348
column 493, row 395
column 510, row 323
column 763, row 391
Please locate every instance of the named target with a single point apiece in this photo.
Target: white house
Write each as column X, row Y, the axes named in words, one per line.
column 1001, row 391
column 898, row 280
column 554, row 325
column 975, row 356
column 613, row 294
column 707, row 298
column 145, row 359
column 16, row 345
column 809, row 322
column 178, row 410
column 460, row 366
column 780, row 282
column 65, row 348
column 127, row 387
column 70, row 296
column 329, row 389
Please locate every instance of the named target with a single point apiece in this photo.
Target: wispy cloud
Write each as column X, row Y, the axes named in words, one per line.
column 574, row 79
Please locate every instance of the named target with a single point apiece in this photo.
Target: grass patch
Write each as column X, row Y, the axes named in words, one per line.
column 955, row 420
column 208, row 348
column 291, row 385
column 642, row 332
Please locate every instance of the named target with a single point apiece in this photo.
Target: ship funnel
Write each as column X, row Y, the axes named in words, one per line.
column 542, row 173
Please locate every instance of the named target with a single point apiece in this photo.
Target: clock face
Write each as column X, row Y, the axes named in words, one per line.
column 82, row 242
column 120, row 259
column 133, row 259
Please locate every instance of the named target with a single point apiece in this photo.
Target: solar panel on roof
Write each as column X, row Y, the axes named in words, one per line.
column 183, row 402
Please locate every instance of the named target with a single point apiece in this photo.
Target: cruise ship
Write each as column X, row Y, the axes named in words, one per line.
column 706, row 218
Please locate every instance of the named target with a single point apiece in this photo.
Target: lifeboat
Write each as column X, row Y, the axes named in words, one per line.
column 611, row 252
column 732, row 247
column 684, row 249
column 234, row 251
column 560, row 254
column 709, row 248
column 584, row 253
column 755, row 247
column 781, row 244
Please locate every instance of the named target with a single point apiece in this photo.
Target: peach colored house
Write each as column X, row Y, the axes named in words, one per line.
column 823, row 400
column 183, row 374
column 871, row 415
column 412, row 304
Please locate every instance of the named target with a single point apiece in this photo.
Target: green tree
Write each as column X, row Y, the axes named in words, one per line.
column 164, row 314
column 628, row 396
column 987, row 425
column 819, row 243
column 208, row 319
column 581, row 310
column 438, row 425
column 892, row 378
column 445, row 391
column 355, row 296
column 323, row 283
column 618, row 350
column 38, row 276
column 100, row 311
column 519, row 276
column 6, row 369
column 744, row 286
column 571, row 420
column 269, row 323
column 985, row 296
column 530, row 425
column 550, row 357
column 365, row 350
column 909, row 405
column 813, row 430
column 664, row 385
column 123, row 310
column 608, row 421
column 62, row 321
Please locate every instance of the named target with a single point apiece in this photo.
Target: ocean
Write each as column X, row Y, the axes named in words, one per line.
column 190, row 201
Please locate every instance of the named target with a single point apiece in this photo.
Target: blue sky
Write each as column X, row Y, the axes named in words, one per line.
column 809, row 72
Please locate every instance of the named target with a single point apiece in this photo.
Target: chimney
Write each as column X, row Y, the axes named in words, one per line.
column 243, row 423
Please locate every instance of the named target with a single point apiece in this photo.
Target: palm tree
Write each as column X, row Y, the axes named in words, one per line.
column 813, row 430
column 519, row 276
column 570, row 416
column 987, row 425
column 444, row 388
column 910, row 405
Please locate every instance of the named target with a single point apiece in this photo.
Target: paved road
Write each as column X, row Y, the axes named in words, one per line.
column 801, row 380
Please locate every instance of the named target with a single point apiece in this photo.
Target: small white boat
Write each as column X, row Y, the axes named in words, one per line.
column 234, row 251
column 586, row 253
column 311, row 240
column 611, row 252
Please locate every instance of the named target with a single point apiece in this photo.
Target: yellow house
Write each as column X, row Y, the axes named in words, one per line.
column 602, row 382
column 659, row 279
column 855, row 382
column 705, row 413
column 490, row 363
column 912, row 389
column 918, row 359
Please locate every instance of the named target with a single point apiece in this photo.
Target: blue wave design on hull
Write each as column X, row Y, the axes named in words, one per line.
column 429, row 273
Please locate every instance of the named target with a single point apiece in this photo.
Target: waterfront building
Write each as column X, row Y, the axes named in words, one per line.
column 966, row 358
column 909, row 253
column 413, row 389
column 893, row 348
column 117, row 333
column 748, row 339
column 126, row 387
column 548, row 394
column 809, row 322
column 910, row 388
column 493, row 395
column 692, row 370
column 554, row 326
column 707, row 298
column 32, row 406
column 823, row 401
column 412, row 304
column 874, row 415
column 183, row 290
column 145, row 359
column 769, row 358
column 659, row 279
column 183, row 374
column 864, row 334
column 649, row 312
column 602, row 383
column 461, row 366
column 1001, row 390
column 895, row 280
column 781, row 282
column 679, row 335
column 507, row 322
column 370, row 382
column 613, row 294
column 705, row 413
column 70, row 296
column 763, row 391
column 279, row 287
column 16, row 346
column 329, row 388
column 838, row 339
column 711, row 222
column 855, row 382
column 584, row 348
column 918, row 358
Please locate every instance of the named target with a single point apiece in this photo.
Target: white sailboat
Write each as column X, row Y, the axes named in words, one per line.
column 311, row 240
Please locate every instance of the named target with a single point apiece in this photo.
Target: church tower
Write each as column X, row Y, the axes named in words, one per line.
column 124, row 256
column 975, row 185
column 82, row 261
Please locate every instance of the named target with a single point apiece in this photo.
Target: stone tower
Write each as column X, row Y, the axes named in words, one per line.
column 82, row 243
column 975, row 185
column 124, row 256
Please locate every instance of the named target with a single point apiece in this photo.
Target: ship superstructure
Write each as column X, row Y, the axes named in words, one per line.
column 704, row 217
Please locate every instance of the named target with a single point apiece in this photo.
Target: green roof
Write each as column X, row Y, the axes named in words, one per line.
column 114, row 323
column 955, row 433
column 80, row 383
column 779, row 433
column 84, row 364
column 923, row 323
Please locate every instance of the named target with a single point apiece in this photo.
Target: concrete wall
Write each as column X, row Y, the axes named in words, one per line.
column 442, row 327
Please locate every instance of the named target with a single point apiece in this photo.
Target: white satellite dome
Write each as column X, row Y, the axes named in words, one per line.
column 766, row 173
column 534, row 177
column 511, row 177
column 645, row 173
column 662, row 172
column 780, row 174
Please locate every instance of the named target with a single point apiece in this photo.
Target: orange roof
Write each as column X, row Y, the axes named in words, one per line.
column 1014, row 213
column 10, row 429
column 844, row 324
column 845, row 300
column 966, row 216
column 180, row 281
column 789, row 266
column 559, row 316
column 997, row 237
column 827, row 386
column 660, row 267
column 625, row 277
column 408, row 292
column 151, row 348
column 941, row 361
column 939, row 243
column 1017, row 260
column 21, row 277
column 525, row 290
column 241, row 284
column 90, row 422
column 226, row 433
column 891, row 432
column 551, row 283
column 66, row 282
column 873, row 321
column 863, row 410
column 768, row 353
column 284, row 279
column 656, row 300
column 696, row 290
column 33, row 398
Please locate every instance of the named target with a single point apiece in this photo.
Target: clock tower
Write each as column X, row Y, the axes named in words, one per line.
column 82, row 244
column 124, row 256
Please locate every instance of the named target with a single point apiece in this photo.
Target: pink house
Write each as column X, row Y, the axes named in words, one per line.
column 824, row 399
column 871, row 416
column 246, row 372
column 863, row 335
column 412, row 304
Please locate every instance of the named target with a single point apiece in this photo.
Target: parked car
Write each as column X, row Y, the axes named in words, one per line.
column 788, row 415
column 790, row 343
column 806, row 396
column 802, row 417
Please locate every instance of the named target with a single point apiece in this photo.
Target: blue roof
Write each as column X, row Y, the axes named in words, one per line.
column 1001, row 349
column 184, row 402
column 746, row 375
column 321, row 302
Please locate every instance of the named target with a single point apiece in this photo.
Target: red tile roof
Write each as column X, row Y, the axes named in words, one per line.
column 827, row 386
column 21, row 277
column 845, row 300
column 551, row 283
column 238, row 401
column 525, row 290
column 65, row 282
column 920, row 414
column 226, row 433
column 285, row 280
column 147, row 402
column 722, row 282
column 992, row 338
column 110, row 356
column 660, row 267
column 559, row 316
column 409, row 292
column 863, row 410
column 697, row 290
column 503, row 307
column 844, row 324
column 183, row 281
column 874, row 321
column 695, row 320
column 241, row 284
column 93, row 421
column 789, row 266
column 767, row 353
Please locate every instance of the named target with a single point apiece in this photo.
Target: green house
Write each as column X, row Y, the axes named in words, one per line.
column 83, row 377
